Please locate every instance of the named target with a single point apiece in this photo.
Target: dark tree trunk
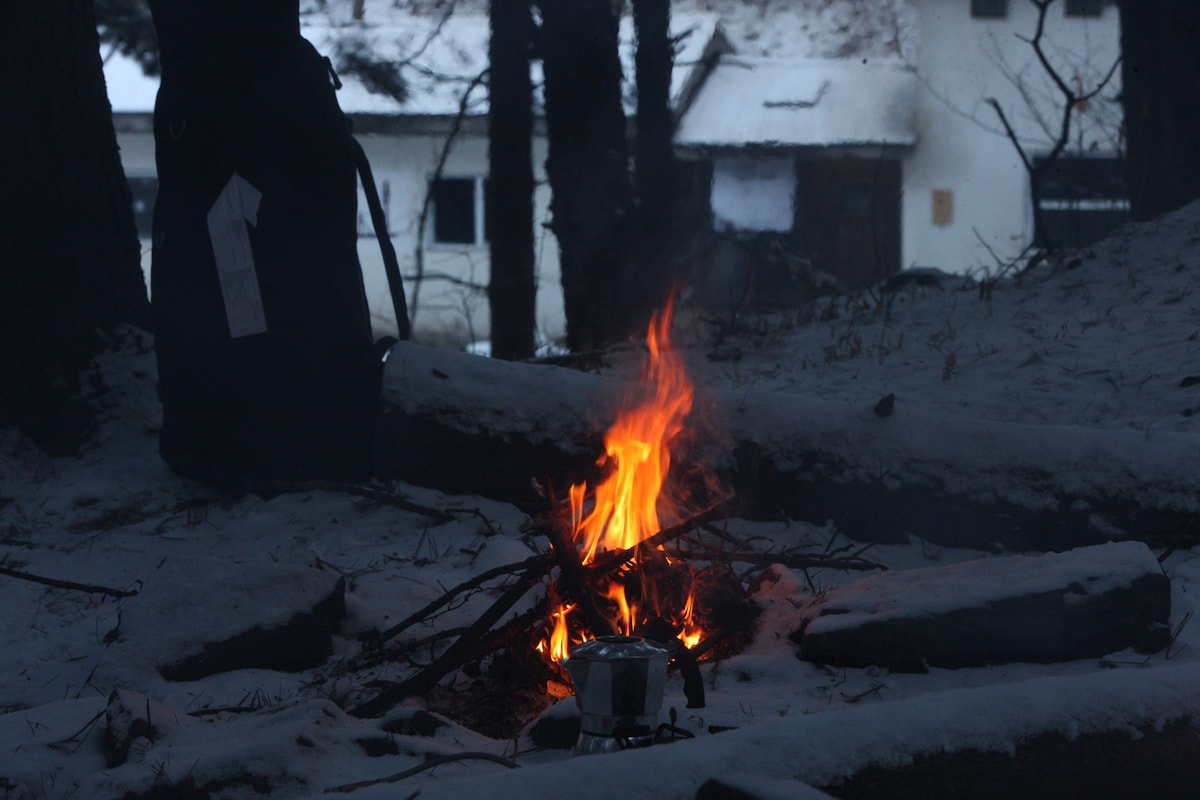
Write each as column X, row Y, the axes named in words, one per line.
column 1160, row 46
column 71, row 265
column 512, row 291
column 654, row 159
column 652, row 275
column 587, row 164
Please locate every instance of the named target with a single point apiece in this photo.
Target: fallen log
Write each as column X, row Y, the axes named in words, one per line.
column 1084, row 603
column 301, row 643
column 472, row 425
column 829, row 749
column 1147, row 761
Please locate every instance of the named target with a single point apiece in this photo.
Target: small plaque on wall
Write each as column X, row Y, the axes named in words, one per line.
column 943, row 207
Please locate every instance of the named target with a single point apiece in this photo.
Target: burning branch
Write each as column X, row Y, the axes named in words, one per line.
column 607, row 563
column 534, row 562
column 576, row 582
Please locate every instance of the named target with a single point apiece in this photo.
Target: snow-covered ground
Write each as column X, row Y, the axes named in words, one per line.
column 1106, row 340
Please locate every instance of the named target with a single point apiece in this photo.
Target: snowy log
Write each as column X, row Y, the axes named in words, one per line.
column 301, row 643
column 1084, row 603
column 466, row 424
column 1137, row 732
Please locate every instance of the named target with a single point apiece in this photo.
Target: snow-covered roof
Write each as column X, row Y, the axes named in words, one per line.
column 780, row 104
column 440, row 59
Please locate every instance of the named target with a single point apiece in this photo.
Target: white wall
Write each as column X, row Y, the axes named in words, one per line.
column 445, row 310
column 961, row 62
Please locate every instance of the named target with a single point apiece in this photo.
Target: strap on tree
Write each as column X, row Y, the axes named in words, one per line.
column 391, row 265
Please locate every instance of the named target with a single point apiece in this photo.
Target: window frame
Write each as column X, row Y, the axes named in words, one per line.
column 1083, row 9
column 478, row 213
column 1082, row 196
column 989, row 9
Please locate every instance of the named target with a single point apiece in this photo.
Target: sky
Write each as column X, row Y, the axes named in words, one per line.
column 1084, row 368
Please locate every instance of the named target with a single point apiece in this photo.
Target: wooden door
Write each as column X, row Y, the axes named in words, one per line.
column 848, row 217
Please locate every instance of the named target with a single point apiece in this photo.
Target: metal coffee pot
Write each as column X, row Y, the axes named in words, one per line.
column 619, row 684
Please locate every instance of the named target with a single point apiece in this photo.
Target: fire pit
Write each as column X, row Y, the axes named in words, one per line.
column 622, row 599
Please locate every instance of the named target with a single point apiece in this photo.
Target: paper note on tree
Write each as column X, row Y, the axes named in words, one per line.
column 236, row 206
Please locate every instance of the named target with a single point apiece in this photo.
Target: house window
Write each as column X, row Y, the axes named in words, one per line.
column 753, row 193
column 1084, row 8
column 1080, row 200
column 144, row 189
column 989, row 8
column 457, row 210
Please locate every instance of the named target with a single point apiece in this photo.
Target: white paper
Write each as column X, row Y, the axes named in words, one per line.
column 234, row 207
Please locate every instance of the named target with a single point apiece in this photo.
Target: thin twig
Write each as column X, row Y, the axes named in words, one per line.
column 61, row 584
column 365, row 492
column 430, row 763
column 458, row 653
column 423, row 218
column 789, row 560
column 473, row 583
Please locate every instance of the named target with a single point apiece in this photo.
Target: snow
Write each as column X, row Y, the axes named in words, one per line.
column 441, row 55
column 930, row 591
column 440, row 58
column 775, row 103
column 1080, row 362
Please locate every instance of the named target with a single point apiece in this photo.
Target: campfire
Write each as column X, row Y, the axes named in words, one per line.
column 647, row 591
column 616, row 576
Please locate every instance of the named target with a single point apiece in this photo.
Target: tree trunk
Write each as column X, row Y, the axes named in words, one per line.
column 512, row 291
column 587, row 164
column 652, row 274
column 1160, row 46
column 654, row 159
column 71, row 263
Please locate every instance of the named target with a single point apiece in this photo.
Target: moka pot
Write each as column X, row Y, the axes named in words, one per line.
column 619, row 684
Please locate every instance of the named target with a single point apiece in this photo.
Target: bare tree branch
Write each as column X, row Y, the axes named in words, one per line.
column 439, row 168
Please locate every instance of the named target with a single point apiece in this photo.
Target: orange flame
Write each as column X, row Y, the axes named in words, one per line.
column 691, row 631
column 559, row 642
column 637, row 446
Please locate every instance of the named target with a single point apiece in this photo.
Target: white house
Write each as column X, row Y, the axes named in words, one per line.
column 866, row 143
column 966, row 195
column 852, row 137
